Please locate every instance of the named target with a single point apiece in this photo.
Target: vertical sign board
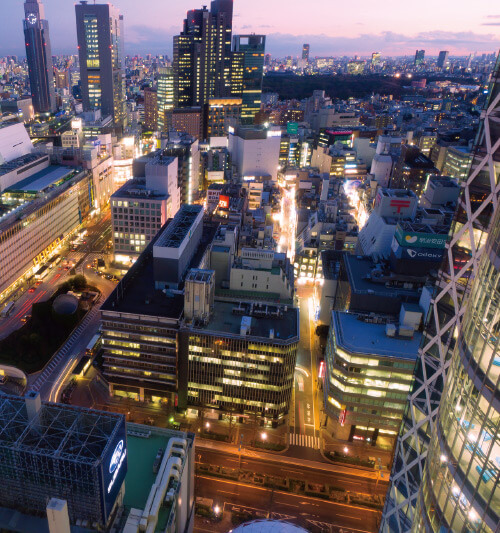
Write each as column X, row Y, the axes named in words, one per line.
column 113, row 470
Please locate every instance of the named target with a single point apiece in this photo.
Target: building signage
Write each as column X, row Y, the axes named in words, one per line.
column 223, row 202
column 420, row 240
column 292, row 128
column 116, row 463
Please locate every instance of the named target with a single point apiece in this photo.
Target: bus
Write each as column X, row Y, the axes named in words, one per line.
column 94, row 345
column 7, row 310
column 42, row 273
column 82, row 366
column 54, row 261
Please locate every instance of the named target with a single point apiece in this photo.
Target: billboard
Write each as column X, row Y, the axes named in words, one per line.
column 420, row 240
column 223, row 201
column 292, row 128
column 416, row 253
column 113, row 470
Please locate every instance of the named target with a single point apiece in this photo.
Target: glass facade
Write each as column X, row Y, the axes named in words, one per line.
column 459, row 267
column 241, row 373
column 461, row 486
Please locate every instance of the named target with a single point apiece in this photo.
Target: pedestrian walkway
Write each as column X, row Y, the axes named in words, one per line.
column 306, row 441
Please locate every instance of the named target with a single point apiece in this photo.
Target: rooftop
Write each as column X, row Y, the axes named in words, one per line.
column 359, row 268
column 135, row 188
column 366, row 338
column 136, row 292
column 41, row 181
column 65, row 431
column 227, row 317
column 141, row 457
column 22, row 161
column 178, row 229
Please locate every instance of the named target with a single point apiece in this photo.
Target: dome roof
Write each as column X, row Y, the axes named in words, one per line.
column 65, row 304
column 268, row 526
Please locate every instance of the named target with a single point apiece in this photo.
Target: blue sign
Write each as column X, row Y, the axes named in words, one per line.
column 113, row 471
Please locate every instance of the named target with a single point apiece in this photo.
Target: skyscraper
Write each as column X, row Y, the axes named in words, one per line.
column 99, row 29
column 202, row 55
column 305, row 52
column 462, row 265
column 39, row 55
column 248, row 70
column 419, row 57
column 165, row 93
column 442, row 58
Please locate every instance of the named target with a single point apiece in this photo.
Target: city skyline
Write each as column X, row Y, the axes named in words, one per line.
column 368, row 30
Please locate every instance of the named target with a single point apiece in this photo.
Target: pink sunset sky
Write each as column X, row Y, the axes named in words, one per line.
column 331, row 27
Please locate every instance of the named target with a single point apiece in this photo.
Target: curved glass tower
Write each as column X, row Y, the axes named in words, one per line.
column 460, row 490
column 460, row 269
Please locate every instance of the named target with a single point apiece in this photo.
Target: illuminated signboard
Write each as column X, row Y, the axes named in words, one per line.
column 342, row 417
column 420, row 240
column 292, row 128
column 223, row 201
column 113, row 470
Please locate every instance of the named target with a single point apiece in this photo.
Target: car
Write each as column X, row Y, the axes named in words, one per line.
column 38, row 283
column 32, row 289
column 25, row 318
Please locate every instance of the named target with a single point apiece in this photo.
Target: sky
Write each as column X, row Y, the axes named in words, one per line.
column 331, row 27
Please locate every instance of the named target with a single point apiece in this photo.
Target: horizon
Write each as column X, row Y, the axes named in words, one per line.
column 459, row 31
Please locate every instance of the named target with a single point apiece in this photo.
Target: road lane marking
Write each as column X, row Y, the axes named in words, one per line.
column 347, row 516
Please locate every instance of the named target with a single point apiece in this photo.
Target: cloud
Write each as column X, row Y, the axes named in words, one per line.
column 490, row 24
column 493, row 17
column 148, row 39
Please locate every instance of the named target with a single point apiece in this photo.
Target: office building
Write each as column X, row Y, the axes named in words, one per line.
column 39, row 56
column 186, row 120
column 240, row 357
column 375, row 61
column 165, row 95
column 151, row 111
column 465, row 249
column 202, row 55
column 460, row 483
column 99, row 29
column 355, row 68
column 369, row 368
column 248, row 71
column 412, row 170
column 222, row 114
column 305, row 52
column 142, row 205
column 419, row 57
column 255, row 152
column 59, row 451
column 456, row 162
column 144, row 365
column 186, row 149
column 442, row 61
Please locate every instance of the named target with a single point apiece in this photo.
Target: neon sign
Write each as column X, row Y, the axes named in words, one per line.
column 116, row 463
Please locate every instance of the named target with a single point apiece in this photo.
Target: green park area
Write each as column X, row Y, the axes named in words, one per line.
column 32, row 346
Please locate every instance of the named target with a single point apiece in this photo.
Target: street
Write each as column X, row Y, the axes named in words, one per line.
column 308, row 512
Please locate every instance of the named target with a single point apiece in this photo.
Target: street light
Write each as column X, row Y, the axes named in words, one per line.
column 264, row 436
column 207, row 425
column 346, row 449
column 216, row 510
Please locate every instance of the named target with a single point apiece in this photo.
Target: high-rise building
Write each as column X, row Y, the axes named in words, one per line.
column 202, row 55
column 165, row 95
column 39, row 56
column 462, row 264
column 442, row 59
column 99, row 30
column 375, row 59
column 150, row 109
column 248, row 71
column 305, row 52
column 419, row 57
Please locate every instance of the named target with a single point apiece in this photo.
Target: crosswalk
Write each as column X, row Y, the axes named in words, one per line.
column 306, row 441
column 56, row 359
